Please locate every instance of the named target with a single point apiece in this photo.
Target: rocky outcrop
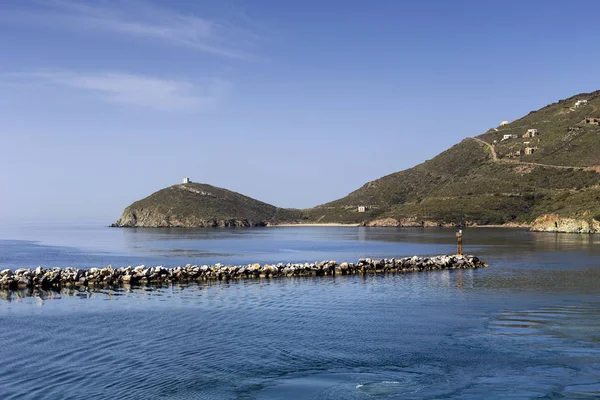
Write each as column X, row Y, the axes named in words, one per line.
column 150, row 219
column 201, row 205
column 556, row 223
column 384, row 222
column 59, row 277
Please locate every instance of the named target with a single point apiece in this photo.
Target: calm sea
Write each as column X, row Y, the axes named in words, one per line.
column 527, row 327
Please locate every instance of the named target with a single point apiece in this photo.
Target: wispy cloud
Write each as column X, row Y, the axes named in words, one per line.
column 141, row 19
column 140, row 91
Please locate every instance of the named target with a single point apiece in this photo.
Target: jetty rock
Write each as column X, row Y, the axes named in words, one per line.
column 58, row 277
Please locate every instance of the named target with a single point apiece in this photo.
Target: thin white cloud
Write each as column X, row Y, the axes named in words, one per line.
column 140, row 91
column 141, row 19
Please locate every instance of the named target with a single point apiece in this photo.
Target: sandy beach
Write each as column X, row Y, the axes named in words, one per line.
column 323, row 224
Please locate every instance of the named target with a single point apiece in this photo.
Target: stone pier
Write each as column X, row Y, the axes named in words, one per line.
column 64, row 277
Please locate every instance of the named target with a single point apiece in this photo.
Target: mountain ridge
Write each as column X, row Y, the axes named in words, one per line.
column 488, row 179
column 543, row 167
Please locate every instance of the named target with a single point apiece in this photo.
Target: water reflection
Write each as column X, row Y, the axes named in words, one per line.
column 89, row 292
column 458, row 280
column 561, row 241
column 98, row 246
column 282, row 244
column 362, row 233
column 139, row 237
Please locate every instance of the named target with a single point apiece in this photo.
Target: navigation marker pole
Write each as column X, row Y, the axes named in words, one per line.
column 459, row 250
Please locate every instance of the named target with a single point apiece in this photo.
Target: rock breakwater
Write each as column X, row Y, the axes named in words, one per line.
column 59, row 277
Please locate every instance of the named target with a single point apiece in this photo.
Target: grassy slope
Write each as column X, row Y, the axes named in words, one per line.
column 464, row 184
column 200, row 202
column 405, row 186
column 461, row 184
column 557, row 144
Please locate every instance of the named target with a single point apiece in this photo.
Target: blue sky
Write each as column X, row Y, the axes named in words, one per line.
column 293, row 103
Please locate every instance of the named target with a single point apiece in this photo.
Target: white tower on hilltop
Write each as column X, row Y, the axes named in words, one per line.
column 186, row 180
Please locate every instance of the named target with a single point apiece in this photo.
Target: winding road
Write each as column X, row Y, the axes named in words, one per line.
column 491, row 147
column 507, row 161
column 495, row 157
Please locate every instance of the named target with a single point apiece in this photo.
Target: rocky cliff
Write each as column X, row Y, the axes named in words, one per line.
column 556, row 223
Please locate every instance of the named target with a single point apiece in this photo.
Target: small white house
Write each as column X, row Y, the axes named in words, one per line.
column 507, row 137
column 186, row 180
column 503, row 123
column 362, row 208
column 580, row 103
column 531, row 133
column 530, row 150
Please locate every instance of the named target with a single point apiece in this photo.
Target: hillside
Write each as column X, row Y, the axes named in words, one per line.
column 201, row 205
column 492, row 178
column 542, row 170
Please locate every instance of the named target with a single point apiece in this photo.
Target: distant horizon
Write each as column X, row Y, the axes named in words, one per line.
column 291, row 104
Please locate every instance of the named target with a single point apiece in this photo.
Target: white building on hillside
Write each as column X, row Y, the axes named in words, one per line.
column 531, row 133
column 530, row 150
column 580, row 103
column 503, row 123
column 186, row 180
column 507, row 137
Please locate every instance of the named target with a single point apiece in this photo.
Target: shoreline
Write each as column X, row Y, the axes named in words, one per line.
column 316, row 224
column 523, row 226
column 530, row 227
column 505, row 226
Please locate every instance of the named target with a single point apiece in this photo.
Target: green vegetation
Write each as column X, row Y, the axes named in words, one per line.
column 480, row 209
column 576, row 204
column 196, row 204
column 464, row 184
column 564, row 139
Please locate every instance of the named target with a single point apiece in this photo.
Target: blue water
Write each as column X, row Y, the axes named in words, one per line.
column 527, row 327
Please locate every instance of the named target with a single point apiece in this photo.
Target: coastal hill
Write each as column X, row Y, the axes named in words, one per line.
column 199, row 205
column 542, row 170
